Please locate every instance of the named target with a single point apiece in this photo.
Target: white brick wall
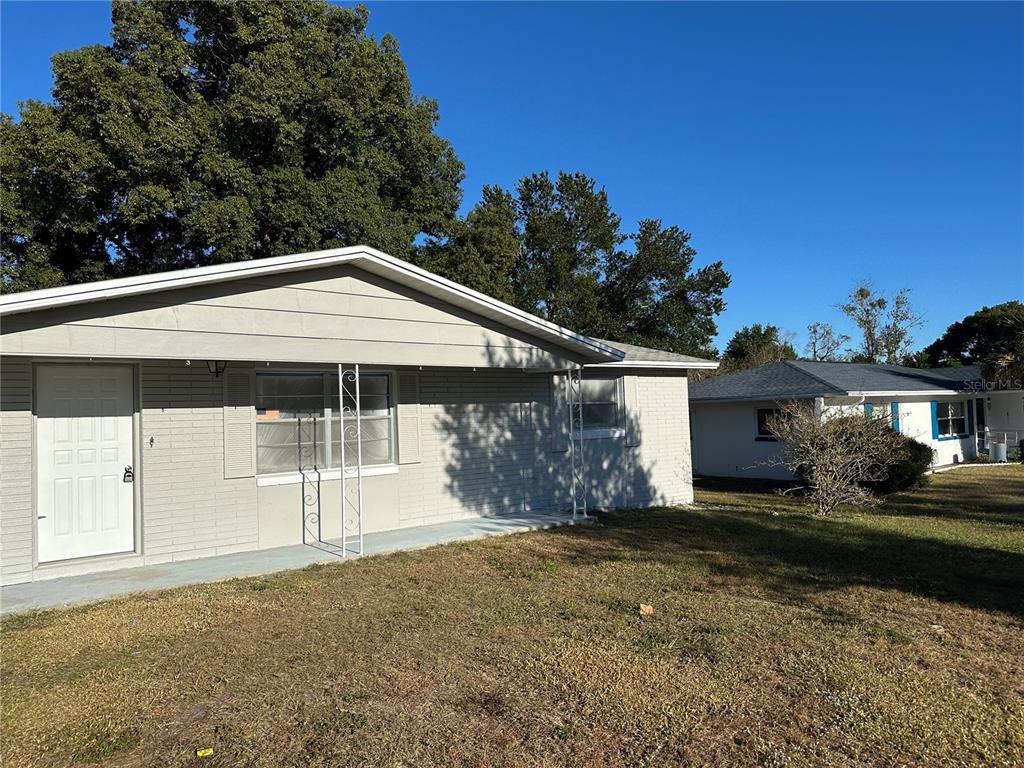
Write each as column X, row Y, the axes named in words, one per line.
column 190, row 509
column 16, row 513
column 665, row 447
column 484, row 435
column 486, row 449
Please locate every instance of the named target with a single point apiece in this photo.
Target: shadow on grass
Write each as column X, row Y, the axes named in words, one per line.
column 797, row 556
column 984, row 494
column 993, row 494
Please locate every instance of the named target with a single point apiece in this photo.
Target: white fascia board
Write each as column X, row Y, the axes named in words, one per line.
column 760, row 399
column 907, row 393
column 367, row 258
column 709, row 365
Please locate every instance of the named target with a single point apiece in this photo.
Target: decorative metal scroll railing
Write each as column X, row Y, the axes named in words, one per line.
column 312, row 520
column 351, row 466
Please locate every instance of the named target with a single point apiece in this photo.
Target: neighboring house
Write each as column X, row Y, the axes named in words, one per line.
column 949, row 409
column 200, row 412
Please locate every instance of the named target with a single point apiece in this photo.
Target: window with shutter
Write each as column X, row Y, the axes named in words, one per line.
column 408, row 418
column 560, row 412
column 239, row 424
column 631, row 387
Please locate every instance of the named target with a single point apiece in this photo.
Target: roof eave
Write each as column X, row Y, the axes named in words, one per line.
column 373, row 260
column 905, row 393
column 763, row 397
column 709, row 365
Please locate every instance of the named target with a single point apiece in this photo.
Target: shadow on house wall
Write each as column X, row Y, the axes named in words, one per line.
column 502, row 452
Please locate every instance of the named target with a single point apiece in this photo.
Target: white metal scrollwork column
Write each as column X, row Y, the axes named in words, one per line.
column 306, row 437
column 351, row 427
column 579, row 473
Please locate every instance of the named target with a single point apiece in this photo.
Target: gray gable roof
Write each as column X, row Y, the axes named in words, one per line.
column 798, row 379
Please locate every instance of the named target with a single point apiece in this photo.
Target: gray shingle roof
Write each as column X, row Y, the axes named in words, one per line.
column 637, row 354
column 805, row 379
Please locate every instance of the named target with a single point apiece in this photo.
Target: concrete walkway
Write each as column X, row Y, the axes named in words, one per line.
column 73, row 590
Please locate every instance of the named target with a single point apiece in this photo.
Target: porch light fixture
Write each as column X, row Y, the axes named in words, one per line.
column 216, row 367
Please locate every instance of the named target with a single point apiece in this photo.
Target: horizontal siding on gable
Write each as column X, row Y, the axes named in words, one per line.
column 337, row 314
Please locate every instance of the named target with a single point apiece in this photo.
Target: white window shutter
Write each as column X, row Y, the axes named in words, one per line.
column 560, row 412
column 409, row 448
column 631, row 403
column 239, row 423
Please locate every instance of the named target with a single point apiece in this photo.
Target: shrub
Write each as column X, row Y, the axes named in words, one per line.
column 837, row 458
column 908, row 471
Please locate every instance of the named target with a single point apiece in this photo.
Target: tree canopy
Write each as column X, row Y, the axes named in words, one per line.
column 556, row 248
column 220, row 131
column 212, row 132
column 824, row 342
column 885, row 324
column 755, row 345
column 978, row 335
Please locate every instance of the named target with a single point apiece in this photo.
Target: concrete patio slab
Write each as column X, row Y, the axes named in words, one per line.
column 75, row 590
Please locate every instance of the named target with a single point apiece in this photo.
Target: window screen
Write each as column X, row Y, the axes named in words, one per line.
column 952, row 419
column 600, row 403
column 298, row 422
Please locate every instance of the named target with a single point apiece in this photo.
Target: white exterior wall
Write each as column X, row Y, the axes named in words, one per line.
column 916, row 422
column 190, row 509
column 1004, row 411
column 725, row 445
column 486, row 448
column 724, row 434
column 17, row 513
column 665, row 456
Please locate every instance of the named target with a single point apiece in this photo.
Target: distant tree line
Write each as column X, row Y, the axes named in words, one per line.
column 992, row 337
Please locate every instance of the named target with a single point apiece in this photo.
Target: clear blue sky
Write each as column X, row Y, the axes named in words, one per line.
column 805, row 145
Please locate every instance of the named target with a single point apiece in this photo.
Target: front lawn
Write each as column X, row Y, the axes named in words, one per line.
column 894, row 637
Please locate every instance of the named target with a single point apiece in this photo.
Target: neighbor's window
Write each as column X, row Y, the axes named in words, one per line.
column 600, row 403
column 952, row 419
column 298, row 421
column 764, row 417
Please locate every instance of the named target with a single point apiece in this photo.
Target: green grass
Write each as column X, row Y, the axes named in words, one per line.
column 893, row 637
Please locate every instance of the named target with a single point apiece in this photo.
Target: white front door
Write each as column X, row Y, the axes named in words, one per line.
column 84, row 460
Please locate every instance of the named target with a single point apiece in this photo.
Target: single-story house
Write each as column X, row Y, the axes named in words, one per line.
column 240, row 406
column 950, row 409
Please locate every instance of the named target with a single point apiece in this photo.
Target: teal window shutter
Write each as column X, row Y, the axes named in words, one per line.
column 970, row 417
column 869, row 410
column 935, row 419
column 895, row 407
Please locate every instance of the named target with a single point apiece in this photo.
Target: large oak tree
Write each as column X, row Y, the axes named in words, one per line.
column 220, row 131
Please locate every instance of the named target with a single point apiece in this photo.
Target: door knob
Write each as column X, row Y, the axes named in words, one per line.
column 129, row 475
